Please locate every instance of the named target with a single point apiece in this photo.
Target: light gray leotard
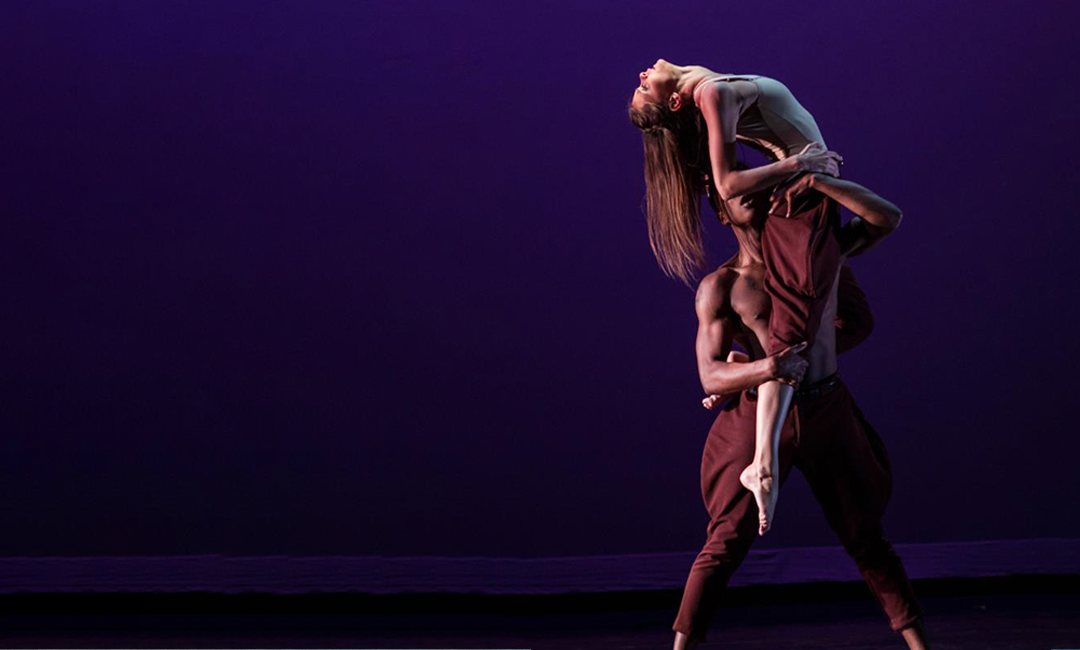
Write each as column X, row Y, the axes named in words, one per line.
column 775, row 123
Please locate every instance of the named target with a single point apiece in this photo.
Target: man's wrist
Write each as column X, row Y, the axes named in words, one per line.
column 771, row 368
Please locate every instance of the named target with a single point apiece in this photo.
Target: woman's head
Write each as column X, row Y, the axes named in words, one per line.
column 676, row 162
column 659, row 85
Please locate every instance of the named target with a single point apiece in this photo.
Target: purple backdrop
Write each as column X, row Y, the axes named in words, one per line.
column 373, row 278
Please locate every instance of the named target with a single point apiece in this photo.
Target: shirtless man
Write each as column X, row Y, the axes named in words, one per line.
column 826, row 435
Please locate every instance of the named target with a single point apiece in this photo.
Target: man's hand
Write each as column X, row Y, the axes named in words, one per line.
column 788, row 367
column 783, row 195
column 817, row 160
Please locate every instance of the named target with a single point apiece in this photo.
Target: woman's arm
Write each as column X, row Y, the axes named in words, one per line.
column 719, row 107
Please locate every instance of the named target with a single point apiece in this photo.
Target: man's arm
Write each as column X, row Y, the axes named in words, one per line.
column 715, row 330
column 875, row 217
column 854, row 320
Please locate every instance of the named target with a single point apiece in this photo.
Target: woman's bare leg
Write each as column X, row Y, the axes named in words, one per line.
column 761, row 477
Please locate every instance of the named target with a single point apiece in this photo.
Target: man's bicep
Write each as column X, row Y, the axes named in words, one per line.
column 714, row 335
column 713, row 344
column 714, row 339
column 854, row 319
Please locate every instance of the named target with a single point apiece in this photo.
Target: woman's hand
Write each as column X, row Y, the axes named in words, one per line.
column 711, row 401
column 738, row 357
column 816, row 158
column 733, row 357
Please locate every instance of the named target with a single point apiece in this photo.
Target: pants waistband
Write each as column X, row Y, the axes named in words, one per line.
column 819, row 388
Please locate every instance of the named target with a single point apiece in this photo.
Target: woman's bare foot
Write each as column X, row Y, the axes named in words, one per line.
column 759, row 480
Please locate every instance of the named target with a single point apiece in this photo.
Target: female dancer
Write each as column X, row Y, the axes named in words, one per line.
column 690, row 118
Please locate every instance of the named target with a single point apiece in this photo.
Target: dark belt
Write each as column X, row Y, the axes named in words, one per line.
column 819, row 388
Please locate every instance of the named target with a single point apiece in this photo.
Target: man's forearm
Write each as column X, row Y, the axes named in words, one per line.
column 722, row 377
column 873, row 209
column 857, row 236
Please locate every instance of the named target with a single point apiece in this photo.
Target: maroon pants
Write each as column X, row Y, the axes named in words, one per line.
column 844, row 461
column 802, row 257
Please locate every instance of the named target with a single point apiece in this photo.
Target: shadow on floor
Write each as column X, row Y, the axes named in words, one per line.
column 992, row 614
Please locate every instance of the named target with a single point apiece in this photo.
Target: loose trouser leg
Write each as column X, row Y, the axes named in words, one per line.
column 733, row 526
column 845, row 464
column 802, row 258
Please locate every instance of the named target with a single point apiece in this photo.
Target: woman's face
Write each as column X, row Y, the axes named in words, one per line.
column 656, row 84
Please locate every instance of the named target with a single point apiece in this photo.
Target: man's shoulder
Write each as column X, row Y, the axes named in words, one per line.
column 720, row 279
column 714, row 288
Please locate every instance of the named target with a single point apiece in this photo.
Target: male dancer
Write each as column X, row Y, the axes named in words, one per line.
column 826, row 435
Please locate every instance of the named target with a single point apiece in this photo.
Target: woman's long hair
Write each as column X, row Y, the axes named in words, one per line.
column 676, row 173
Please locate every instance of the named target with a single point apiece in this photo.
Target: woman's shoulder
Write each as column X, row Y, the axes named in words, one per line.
column 718, row 82
column 717, row 77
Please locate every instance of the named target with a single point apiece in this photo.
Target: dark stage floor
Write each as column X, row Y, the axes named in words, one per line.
column 990, row 614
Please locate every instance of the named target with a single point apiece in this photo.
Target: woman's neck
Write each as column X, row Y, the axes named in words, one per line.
column 690, row 76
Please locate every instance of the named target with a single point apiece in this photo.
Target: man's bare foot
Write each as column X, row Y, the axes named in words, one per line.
column 915, row 636
column 760, row 482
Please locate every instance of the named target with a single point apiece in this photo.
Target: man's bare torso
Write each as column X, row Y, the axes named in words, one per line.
column 744, row 303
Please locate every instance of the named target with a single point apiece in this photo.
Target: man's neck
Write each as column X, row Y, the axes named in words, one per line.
column 749, row 245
